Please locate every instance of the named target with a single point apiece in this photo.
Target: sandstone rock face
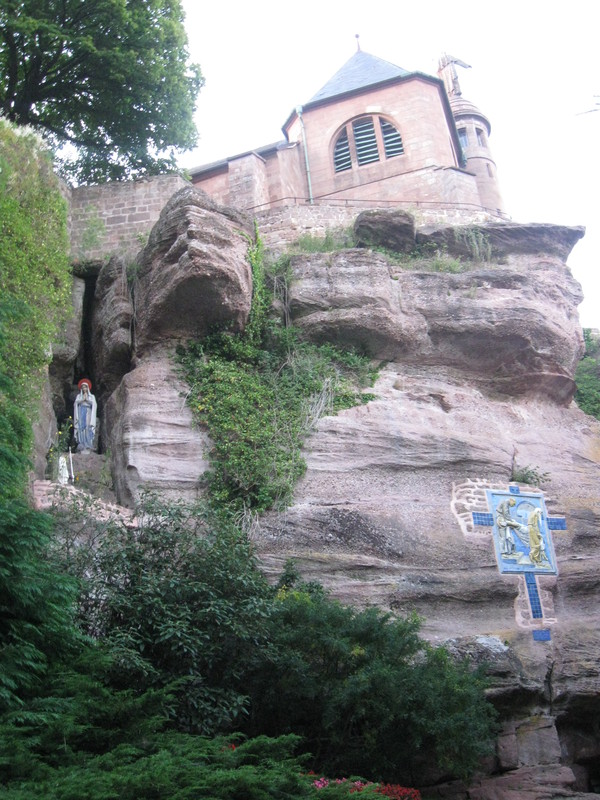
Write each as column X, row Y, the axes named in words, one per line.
column 194, row 273
column 477, row 383
column 65, row 351
column 376, row 520
column 44, row 429
column 511, row 329
column 112, row 322
column 503, row 239
column 392, row 230
column 151, row 436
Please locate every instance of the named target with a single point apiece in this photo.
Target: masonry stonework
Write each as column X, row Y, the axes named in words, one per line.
column 115, row 218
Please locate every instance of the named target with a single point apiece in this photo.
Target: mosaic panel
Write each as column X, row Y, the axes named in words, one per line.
column 534, row 596
column 542, row 635
column 521, row 533
column 557, row 523
column 481, row 518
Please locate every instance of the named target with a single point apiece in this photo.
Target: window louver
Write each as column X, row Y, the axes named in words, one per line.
column 341, row 154
column 365, row 141
column 360, row 143
column 392, row 141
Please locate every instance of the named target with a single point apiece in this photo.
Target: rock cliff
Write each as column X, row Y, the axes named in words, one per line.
column 474, row 396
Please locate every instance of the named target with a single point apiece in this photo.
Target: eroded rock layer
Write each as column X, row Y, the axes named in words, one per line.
column 194, row 273
column 511, row 328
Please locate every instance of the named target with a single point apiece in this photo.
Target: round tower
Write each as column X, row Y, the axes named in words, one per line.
column 473, row 132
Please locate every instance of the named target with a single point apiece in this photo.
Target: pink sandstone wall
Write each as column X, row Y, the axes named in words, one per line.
column 281, row 227
column 116, row 217
column 248, row 183
column 217, row 185
column 414, row 107
column 288, row 176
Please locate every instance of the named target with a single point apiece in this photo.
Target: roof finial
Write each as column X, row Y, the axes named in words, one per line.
column 357, row 37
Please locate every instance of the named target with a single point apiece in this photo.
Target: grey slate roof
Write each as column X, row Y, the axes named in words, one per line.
column 358, row 72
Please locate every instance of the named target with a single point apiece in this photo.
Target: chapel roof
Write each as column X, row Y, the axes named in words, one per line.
column 358, row 72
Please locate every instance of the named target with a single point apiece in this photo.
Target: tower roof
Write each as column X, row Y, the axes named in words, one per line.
column 464, row 108
column 358, row 72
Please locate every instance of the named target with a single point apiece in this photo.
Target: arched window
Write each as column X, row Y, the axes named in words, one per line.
column 341, row 153
column 364, row 141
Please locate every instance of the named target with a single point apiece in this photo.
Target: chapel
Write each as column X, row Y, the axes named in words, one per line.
column 375, row 135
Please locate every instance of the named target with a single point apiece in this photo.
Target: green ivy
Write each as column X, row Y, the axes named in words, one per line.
column 259, row 394
column 35, row 281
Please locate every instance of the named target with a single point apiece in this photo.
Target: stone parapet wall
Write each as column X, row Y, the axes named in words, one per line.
column 280, row 227
column 115, row 218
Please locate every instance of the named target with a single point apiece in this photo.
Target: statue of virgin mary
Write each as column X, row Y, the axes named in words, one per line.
column 84, row 416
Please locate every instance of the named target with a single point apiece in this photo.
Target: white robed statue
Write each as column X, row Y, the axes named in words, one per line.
column 84, row 416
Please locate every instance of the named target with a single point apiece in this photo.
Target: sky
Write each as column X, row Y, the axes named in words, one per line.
column 533, row 72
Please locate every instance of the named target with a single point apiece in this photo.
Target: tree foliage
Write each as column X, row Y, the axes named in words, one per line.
column 35, row 279
column 36, row 599
column 587, row 375
column 179, row 602
column 183, row 608
column 367, row 693
column 36, row 624
column 110, row 77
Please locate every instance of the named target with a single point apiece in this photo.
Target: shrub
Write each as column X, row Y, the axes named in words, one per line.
column 178, row 602
column 365, row 692
column 181, row 610
column 530, row 475
column 35, row 598
column 339, row 239
column 171, row 765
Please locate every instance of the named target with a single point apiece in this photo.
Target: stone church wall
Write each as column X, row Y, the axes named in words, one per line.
column 115, row 218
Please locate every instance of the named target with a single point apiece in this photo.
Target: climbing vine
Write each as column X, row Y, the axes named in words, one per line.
column 259, row 393
column 35, row 280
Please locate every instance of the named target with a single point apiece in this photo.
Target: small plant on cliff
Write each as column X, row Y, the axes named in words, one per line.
column 532, row 476
column 338, row 239
column 476, row 241
column 428, row 257
column 259, row 393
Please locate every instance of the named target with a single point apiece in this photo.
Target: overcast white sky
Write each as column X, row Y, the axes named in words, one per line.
column 535, row 70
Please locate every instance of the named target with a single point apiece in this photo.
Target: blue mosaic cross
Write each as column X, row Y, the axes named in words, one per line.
column 557, row 523
column 534, row 596
column 542, row 635
column 480, row 518
column 521, row 530
column 483, row 518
